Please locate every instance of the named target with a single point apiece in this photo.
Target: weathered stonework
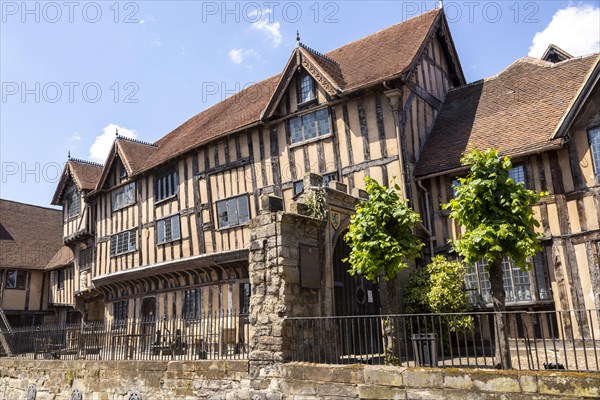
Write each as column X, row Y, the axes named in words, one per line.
column 116, row 380
column 230, row 380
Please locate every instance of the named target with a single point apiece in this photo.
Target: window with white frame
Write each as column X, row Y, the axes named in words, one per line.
column 309, row 126
column 594, row 135
column 168, row 229
column 192, row 304
column 73, row 203
column 307, row 88
column 123, row 196
column 234, row 211
column 122, row 243
column 166, row 185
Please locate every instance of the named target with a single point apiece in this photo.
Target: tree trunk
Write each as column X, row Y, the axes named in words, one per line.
column 392, row 306
column 502, row 350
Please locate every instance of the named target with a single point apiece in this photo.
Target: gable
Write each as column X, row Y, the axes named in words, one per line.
column 305, row 66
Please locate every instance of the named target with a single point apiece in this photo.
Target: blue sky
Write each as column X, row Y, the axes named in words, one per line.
column 72, row 72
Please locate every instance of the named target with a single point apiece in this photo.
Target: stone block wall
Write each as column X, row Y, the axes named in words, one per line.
column 118, row 380
column 230, row 380
column 301, row 381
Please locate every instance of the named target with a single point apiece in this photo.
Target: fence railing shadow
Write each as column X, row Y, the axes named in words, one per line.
column 209, row 336
column 538, row 340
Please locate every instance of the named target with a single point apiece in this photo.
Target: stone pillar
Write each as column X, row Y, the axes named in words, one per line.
column 275, row 273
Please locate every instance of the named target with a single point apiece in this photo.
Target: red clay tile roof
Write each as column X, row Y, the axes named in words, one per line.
column 63, row 257
column 515, row 112
column 134, row 153
column 85, row 174
column 331, row 68
column 382, row 55
column 36, row 235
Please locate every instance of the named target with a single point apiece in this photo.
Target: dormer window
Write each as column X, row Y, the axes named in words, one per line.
column 122, row 172
column 307, row 88
column 73, row 203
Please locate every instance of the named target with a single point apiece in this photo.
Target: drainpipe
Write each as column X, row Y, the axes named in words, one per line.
column 395, row 98
column 427, row 194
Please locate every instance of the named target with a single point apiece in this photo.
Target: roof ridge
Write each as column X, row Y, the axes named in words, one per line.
column 81, row 161
column 323, row 56
column 528, row 60
column 119, row 137
column 436, row 9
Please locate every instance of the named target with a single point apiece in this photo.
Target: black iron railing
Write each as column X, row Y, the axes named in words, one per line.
column 538, row 340
column 211, row 336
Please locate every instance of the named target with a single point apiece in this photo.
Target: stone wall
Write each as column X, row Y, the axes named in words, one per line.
column 228, row 380
column 317, row 381
column 118, row 380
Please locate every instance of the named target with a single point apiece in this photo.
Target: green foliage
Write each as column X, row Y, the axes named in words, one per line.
column 438, row 288
column 315, row 203
column 381, row 233
column 495, row 210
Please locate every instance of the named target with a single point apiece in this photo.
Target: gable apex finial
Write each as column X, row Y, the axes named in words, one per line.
column 69, row 155
column 297, row 38
column 117, row 132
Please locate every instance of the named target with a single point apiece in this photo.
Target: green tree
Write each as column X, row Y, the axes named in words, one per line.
column 382, row 242
column 496, row 213
column 438, row 288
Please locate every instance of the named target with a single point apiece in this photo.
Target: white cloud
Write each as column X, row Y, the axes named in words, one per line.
column 239, row 55
column 142, row 21
column 156, row 42
column 575, row 29
column 75, row 137
column 99, row 150
column 271, row 28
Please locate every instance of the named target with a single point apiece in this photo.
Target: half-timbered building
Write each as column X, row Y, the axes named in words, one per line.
column 168, row 221
column 164, row 227
column 545, row 115
column 30, row 236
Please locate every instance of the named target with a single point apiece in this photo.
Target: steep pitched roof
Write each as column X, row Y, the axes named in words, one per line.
column 62, row 258
column 36, row 235
column 515, row 112
column 383, row 55
column 133, row 153
column 85, row 174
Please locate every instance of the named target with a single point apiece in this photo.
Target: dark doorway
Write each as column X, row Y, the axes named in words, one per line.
column 355, row 297
column 148, row 315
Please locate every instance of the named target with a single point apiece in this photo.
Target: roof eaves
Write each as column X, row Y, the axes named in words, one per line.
column 590, row 81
